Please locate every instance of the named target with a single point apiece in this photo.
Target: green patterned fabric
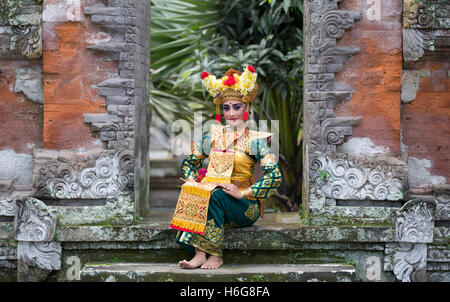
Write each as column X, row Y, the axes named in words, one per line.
column 258, row 150
column 271, row 179
column 225, row 211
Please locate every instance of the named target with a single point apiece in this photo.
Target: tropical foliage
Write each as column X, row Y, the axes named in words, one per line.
column 191, row 36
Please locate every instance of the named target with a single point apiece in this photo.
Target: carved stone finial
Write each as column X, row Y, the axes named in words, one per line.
column 36, row 260
column 415, row 222
column 406, row 260
column 34, row 221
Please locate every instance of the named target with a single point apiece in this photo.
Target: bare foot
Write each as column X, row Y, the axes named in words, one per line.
column 213, row 262
column 197, row 261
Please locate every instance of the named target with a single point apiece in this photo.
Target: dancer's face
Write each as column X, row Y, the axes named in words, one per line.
column 233, row 112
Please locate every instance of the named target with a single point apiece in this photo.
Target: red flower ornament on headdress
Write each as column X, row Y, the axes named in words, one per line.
column 204, row 75
column 230, row 80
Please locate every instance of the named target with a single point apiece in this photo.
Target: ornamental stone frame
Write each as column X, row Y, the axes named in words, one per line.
column 331, row 177
column 118, row 175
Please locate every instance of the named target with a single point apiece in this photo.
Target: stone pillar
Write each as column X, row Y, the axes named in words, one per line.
column 96, row 107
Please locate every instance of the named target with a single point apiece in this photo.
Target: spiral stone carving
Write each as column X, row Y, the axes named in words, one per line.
column 44, row 255
column 415, row 222
column 429, row 14
column 108, row 175
column 346, row 179
column 27, row 39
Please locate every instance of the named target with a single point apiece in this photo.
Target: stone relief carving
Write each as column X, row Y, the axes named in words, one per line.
column 7, row 207
column 34, row 221
column 37, row 254
column 414, row 228
column 442, row 196
column 432, row 14
column 415, row 42
column 116, row 128
column 406, row 260
column 440, row 254
column 27, row 39
column 415, row 222
column 44, row 255
column 340, row 178
column 424, row 26
column 326, row 131
column 36, row 260
column 24, row 31
column 325, row 24
column 104, row 175
column 443, row 208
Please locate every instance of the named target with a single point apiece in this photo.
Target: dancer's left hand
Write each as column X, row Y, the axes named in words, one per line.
column 231, row 190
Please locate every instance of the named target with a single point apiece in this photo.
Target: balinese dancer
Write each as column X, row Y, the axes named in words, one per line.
column 225, row 195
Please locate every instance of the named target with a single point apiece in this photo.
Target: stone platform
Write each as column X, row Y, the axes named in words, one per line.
column 279, row 240
column 168, row 272
column 269, row 245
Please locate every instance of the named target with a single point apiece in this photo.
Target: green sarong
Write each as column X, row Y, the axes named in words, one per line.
column 224, row 212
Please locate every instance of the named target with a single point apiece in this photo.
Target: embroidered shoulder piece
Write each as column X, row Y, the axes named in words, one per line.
column 258, row 135
column 217, row 136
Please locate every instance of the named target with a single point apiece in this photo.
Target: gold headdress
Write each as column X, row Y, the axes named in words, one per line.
column 234, row 85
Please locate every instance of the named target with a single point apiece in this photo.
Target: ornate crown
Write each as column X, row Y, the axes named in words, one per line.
column 233, row 85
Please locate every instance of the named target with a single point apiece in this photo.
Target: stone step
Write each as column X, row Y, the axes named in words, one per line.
column 167, row 272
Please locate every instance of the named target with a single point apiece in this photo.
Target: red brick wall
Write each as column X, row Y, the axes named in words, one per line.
column 70, row 69
column 20, row 118
column 375, row 73
column 425, row 120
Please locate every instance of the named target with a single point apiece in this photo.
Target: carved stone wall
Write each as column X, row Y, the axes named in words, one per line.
column 331, row 176
column 345, row 185
column 103, row 167
column 126, row 125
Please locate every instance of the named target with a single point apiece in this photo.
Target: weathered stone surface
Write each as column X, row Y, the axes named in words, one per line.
column 406, row 260
column 415, row 42
column 117, row 211
column 27, row 40
column 7, row 207
column 442, row 196
column 430, row 14
column 16, row 170
column 272, row 233
column 410, row 83
column 36, row 260
column 325, row 24
column 29, row 81
column 243, row 273
column 103, row 174
column 44, row 255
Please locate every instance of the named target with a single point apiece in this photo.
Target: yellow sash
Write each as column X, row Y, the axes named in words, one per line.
column 192, row 207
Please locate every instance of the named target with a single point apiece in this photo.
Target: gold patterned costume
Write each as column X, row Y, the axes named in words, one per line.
column 224, row 211
column 203, row 211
